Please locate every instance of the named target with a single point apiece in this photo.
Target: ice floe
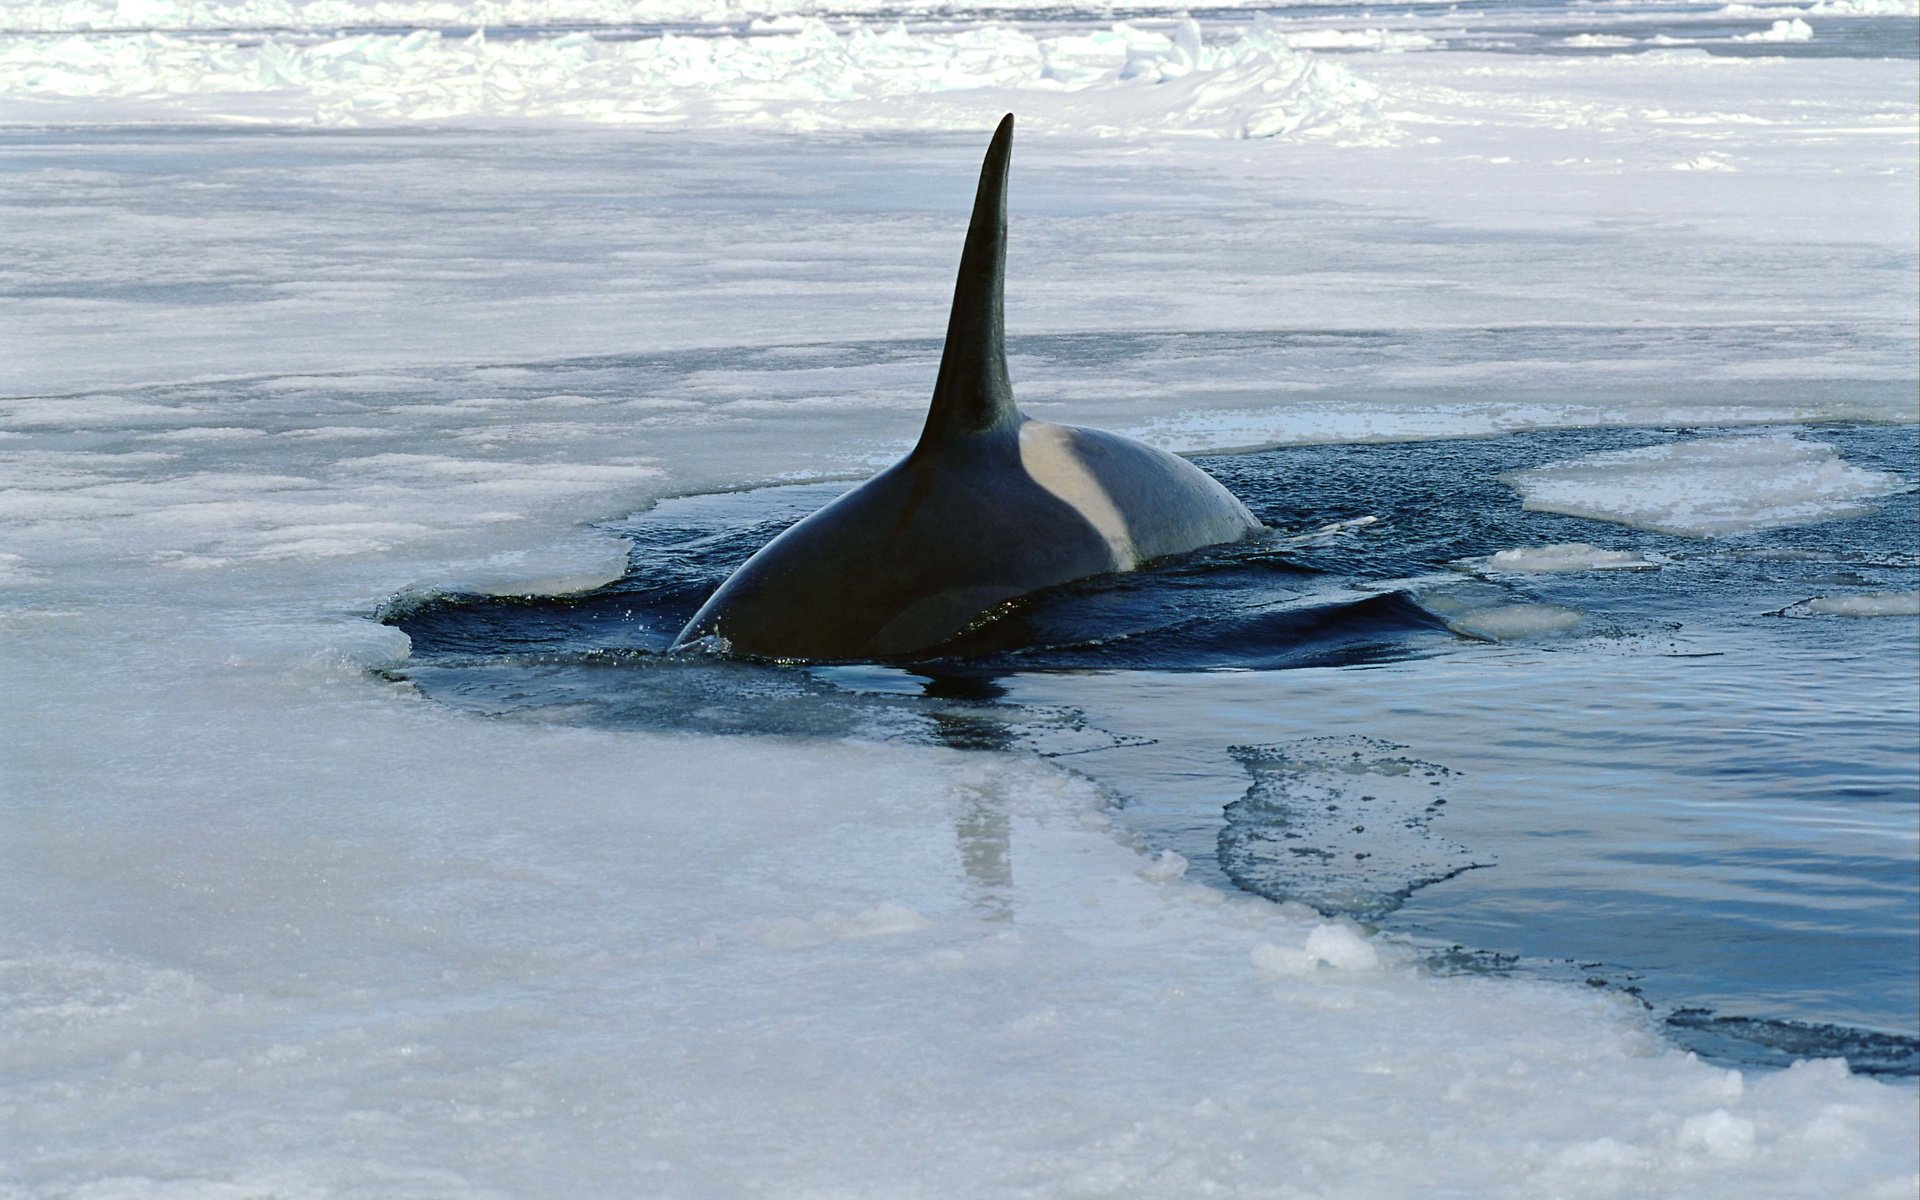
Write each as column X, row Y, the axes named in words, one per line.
column 759, row 15
column 1825, row 8
column 1857, row 604
column 252, row 887
column 1708, row 487
column 768, row 15
column 808, row 76
column 1512, row 622
column 1562, row 556
column 1598, row 41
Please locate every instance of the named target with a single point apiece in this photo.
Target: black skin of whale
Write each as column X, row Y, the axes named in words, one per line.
column 989, row 505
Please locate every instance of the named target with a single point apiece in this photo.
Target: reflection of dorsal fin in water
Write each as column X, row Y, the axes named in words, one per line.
column 973, row 393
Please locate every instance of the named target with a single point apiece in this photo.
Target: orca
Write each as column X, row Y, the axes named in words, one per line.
column 989, row 505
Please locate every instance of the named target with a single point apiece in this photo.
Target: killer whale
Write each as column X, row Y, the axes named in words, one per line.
column 988, row 506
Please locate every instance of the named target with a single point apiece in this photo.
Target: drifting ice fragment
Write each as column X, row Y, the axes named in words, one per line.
column 1561, row 556
column 1707, row 487
column 1481, row 611
column 1860, row 604
column 1511, row 622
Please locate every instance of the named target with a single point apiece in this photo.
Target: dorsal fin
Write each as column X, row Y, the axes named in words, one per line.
column 973, row 393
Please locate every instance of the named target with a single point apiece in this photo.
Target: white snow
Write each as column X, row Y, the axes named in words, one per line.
column 1865, row 8
column 1718, row 1133
column 1165, row 867
column 1793, row 30
column 1826, row 8
column 456, row 956
column 1708, row 487
column 769, row 15
column 1350, row 39
column 82, row 15
column 1338, row 945
column 808, row 77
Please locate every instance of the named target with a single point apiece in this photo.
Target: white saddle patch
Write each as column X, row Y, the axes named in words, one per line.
column 1047, row 454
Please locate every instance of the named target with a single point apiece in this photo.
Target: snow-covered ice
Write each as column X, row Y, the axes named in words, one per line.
column 272, row 926
column 810, row 77
column 1792, row 30
column 1708, row 487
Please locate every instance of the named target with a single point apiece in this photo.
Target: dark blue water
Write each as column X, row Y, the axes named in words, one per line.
column 1694, row 793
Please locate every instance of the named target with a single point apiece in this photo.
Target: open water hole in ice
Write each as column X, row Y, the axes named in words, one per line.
column 1671, row 776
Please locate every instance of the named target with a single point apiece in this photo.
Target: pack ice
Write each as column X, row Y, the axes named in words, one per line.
column 272, row 927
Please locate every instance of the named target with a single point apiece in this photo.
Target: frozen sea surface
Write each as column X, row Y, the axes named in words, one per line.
column 300, row 320
column 1659, row 780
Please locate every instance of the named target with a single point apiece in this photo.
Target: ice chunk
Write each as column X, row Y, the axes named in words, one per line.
column 1340, row 946
column 1794, row 30
column 1510, row 622
column 1859, row 604
column 577, row 564
column 761, row 15
column 1165, row 868
column 796, row 73
column 1336, row 944
column 1561, row 556
column 1707, row 487
column 1489, row 613
column 446, row 955
column 1868, row 604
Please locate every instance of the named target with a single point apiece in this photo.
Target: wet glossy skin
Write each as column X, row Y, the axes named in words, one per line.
column 987, row 507
column 915, row 554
